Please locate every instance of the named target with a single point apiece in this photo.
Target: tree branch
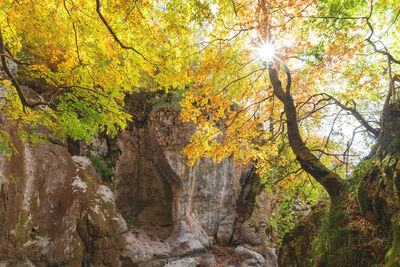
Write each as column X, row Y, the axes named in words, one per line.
column 115, row 36
column 383, row 52
column 356, row 115
column 14, row 81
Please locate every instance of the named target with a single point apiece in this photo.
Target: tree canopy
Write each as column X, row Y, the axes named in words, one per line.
column 88, row 55
column 333, row 72
column 331, row 68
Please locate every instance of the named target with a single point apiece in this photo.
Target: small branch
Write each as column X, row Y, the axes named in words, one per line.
column 234, row 7
column 11, row 56
column 297, row 172
column 239, row 79
column 368, row 39
column 333, row 17
column 75, row 33
column 115, row 36
column 356, row 115
column 384, row 52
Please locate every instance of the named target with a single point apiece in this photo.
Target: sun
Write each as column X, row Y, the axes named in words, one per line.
column 266, row 52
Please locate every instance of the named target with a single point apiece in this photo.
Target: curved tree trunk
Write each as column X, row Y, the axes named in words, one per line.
column 331, row 181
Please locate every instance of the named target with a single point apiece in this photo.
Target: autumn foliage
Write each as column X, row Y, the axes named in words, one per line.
column 338, row 58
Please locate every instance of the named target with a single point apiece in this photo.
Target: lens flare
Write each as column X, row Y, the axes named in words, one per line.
column 266, row 52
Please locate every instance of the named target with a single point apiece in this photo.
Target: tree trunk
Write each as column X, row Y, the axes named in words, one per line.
column 331, row 181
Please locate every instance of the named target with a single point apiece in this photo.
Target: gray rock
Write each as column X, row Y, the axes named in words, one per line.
column 48, row 199
column 155, row 186
column 251, row 233
column 271, row 259
column 187, row 262
column 99, row 147
column 225, row 229
column 12, row 66
column 207, row 260
column 55, row 212
column 248, row 257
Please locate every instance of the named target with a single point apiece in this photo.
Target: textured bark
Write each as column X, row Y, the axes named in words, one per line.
column 332, row 183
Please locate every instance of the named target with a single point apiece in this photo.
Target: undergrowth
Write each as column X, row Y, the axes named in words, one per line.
column 103, row 167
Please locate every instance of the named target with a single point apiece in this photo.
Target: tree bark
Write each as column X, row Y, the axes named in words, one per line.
column 331, row 181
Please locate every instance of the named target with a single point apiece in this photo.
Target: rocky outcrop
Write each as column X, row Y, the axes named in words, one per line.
column 248, row 257
column 256, row 231
column 184, row 208
column 296, row 248
column 156, row 210
column 45, row 194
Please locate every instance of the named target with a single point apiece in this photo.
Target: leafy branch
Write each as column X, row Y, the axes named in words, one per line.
column 13, row 80
column 115, row 36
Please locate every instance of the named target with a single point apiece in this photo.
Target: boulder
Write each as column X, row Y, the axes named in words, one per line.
column 44, row 196
column 248, row 257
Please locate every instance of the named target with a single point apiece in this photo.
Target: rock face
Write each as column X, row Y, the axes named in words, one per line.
column 187, row 208
column 44, row 196
column 55, row 210
column 296, row 250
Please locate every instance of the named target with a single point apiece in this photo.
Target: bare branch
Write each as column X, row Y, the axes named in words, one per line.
column 384, row 52
column 75, row 33
column 234, row 7
column 356, row 115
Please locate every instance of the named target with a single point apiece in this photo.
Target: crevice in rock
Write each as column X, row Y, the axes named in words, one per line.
column 73, row 147
column 146, row 187
column 246, row 199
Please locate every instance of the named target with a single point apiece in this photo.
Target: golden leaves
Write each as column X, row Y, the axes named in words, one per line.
column 68, row 46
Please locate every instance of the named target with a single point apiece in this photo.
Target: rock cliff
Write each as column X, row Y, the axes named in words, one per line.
column 153, row 210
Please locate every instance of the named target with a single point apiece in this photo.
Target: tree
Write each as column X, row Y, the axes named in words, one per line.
column 78, row 59
column 334, row 60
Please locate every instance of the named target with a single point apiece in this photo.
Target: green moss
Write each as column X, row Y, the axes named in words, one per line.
column 360, row 175
column 388, row 163
column 170, row 100
column 378, row 204
column 100, row 220
column 21, row 235
column 131, row 222
column 34, row 207
column 396, row 184
column 392, row 258
column 79, row 254
column 103, row 167
column 364, row 202
column 393, row 146
column 361, row 170
column 91, row 185
column 328, row 247
column 102, row 215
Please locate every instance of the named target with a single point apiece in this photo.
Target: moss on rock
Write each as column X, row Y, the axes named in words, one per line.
column 392, row 258
column 364, row 201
